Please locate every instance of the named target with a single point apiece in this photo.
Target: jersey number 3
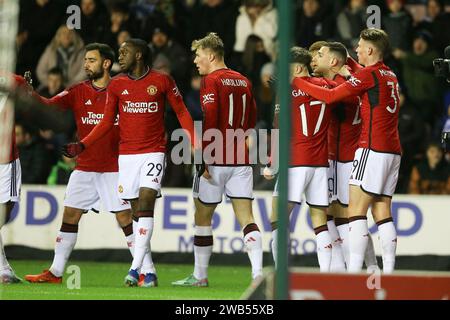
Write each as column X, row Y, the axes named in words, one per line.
column 393, row 95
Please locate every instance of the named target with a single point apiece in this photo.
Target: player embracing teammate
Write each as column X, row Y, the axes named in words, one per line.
column 375, row 167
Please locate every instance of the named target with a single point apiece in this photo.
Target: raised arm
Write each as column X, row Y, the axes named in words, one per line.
column 328, row 96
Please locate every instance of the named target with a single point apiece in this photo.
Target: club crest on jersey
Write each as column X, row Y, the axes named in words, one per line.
column 120, row 189
column 354, row 81
column 152, row 90
column 208, row 98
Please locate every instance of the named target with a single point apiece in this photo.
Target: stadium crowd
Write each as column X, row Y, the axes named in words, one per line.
column 418, row 31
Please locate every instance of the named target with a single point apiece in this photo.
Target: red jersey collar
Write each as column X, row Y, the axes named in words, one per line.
column 143, row 76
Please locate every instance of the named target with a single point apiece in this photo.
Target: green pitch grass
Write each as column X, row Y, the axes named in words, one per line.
column 104, row 281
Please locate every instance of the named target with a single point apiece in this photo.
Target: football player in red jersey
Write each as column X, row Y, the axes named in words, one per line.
column 377, row 159
column 95, row 176
column 228, row 107
column 309, row 156
column 343, row 136
column 138, row 96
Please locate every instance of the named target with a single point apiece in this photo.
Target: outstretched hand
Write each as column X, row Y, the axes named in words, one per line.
column 71, row 150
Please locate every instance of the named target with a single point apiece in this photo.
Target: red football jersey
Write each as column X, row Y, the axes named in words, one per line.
column 228, row 104
column 140, row 104
column 309, row 122
column 379, row 88
column 344, row 128
column 88, row 105
column 17, row 81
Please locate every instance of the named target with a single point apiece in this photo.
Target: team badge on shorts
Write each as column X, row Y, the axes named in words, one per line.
column 152, row 90
column 120, row 189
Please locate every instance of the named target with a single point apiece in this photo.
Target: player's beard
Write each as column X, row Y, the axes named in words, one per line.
column 94, row 75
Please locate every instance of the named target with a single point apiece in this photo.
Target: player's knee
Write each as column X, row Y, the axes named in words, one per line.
column 124, row 218
column 147, row 198
column 72, row 216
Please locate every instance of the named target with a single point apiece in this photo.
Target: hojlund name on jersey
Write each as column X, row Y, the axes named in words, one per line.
column 140, row 107
column 234, row 82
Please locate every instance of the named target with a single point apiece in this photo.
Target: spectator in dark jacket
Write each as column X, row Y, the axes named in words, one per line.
column 34, row 158
column 351, row 22
column 215, row 16
column 418, row 76
column 398, row 25
column 432, row 175
column 162, row 43
column 54, row 84
column 94, row 20
column 38, row 22
column 437, row 22
column 312, row 24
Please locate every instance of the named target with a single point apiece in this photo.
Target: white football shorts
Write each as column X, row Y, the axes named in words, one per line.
column 86, row 189
column 140, row 170
column 311, row 181
column 235, row 182
column 375, row 172
column 338, row 178
column 10, row 181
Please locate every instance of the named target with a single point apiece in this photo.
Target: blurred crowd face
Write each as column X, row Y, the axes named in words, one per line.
column 254, row 11
column 433, row 8
column 93, row 65
column 22, row 137
column 159, row 39
column 118, row 17
column 310, row 7
column 259, row 46
column 196, row 82
column 42, row 3
column 434, row 155
column 395, row 5
column 88, row 7
column 123, row 36
column 357, row 4
column 54, row 82
column 420, row 46
column 65, row 37
column 202, row 61
column 213, row 3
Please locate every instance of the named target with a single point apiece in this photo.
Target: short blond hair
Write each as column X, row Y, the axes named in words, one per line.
column 212, row 42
